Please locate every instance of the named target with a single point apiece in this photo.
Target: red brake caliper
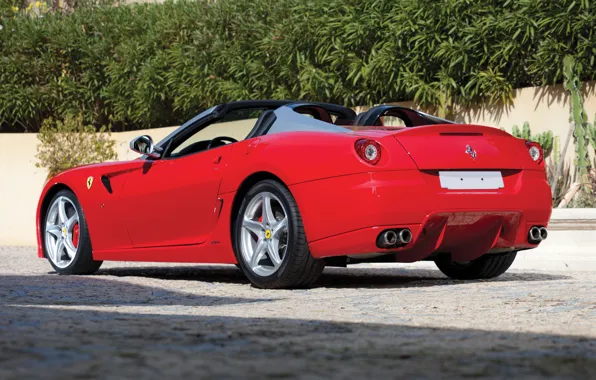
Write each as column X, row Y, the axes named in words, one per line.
column 75, row 235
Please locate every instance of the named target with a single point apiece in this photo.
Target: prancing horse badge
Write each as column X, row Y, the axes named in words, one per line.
column 89, row 182
column 471, row 152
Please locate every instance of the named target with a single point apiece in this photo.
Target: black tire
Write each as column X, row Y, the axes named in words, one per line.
column 298, row 269
column 484, row 267
column 83, row 262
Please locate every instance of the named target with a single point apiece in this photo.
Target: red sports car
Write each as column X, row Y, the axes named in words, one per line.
column 284, row 188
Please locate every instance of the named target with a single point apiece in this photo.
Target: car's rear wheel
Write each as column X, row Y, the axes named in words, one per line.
column 66, row 241
column 269, row 239
column 484, row 267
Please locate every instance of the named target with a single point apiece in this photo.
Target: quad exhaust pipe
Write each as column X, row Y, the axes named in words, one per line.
column 388, row 238
column 537, row 234
column 404, row 236
column 543, row 233
column 391, row 238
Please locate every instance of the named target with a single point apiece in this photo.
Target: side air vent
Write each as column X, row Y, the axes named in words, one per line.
column 105, row 180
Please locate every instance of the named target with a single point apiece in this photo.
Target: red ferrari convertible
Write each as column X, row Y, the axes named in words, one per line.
column 284, row 188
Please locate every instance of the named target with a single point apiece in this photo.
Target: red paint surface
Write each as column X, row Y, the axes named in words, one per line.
column 180, row 209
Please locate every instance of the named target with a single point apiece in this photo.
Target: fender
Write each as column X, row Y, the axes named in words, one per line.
column 313, row 156
column 95, row 199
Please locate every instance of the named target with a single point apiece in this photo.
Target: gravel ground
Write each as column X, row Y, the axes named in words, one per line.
column 398, row 321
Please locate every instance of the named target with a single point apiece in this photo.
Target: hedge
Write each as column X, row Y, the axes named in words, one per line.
column 151, row 65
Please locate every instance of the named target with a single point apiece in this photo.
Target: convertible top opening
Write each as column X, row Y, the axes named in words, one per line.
column 236, row 121
column 314, row 118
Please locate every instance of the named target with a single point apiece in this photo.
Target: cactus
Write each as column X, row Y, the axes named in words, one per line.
column 561, row 183
column 556, row 151
column 526, row 131
column 578, row 117
column 577, row 126
column 545, row 139
column 515, row 131
column 522, row 134
column 591, row 130
column 585, row 135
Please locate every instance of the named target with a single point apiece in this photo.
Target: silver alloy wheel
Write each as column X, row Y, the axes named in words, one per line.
column 264, row 236
column 61, row 220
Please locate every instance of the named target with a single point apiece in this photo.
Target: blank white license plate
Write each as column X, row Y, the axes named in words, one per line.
column 471, row 180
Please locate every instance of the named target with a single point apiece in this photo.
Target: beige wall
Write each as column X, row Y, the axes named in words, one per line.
column 544, row 108
column 21, row 182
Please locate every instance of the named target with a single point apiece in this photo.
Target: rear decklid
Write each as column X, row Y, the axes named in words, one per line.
column 469, row 147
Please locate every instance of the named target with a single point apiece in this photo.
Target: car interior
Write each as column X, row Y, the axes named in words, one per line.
column 240, row 124
column 256, row 119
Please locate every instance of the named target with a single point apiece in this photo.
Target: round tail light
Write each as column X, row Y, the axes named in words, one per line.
column 535, row 151
column 368, row 150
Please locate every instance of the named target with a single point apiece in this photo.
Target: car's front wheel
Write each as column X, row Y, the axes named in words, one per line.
column 484, row 267
column 66, row 240
column 269, row 239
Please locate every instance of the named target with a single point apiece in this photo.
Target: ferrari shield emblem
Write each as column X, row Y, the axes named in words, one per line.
column 89, row 182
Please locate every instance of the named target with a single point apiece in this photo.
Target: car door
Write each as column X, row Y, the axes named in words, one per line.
column 173, row 201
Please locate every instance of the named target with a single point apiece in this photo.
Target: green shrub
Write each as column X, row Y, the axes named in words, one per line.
column 151, row 65
column 71, row 143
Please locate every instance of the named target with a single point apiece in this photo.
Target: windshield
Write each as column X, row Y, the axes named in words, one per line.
column 235, row 124
column 191, row 121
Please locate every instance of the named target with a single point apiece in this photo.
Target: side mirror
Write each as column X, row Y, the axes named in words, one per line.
column 144, row 145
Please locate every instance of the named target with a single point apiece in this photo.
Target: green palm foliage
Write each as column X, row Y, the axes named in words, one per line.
column 151, row 65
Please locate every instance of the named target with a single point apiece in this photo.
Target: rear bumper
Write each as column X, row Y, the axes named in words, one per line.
column 344, row 215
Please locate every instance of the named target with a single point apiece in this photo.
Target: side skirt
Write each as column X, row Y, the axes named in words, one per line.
column 200, row 253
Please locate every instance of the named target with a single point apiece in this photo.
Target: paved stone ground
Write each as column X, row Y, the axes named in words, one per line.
column 158, row 321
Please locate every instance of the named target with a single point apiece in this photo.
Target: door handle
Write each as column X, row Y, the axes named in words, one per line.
column 217, row 159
